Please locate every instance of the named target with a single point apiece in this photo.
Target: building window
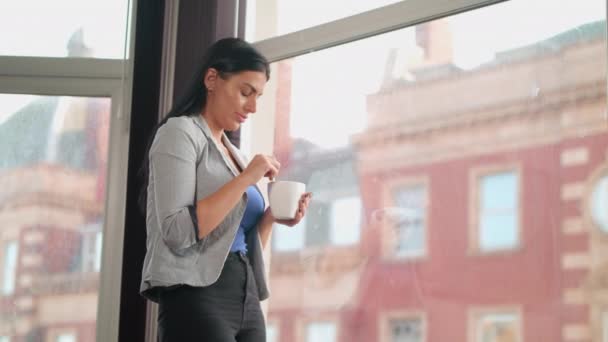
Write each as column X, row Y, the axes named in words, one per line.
column 605, row 326
column 410, row 225
column 92, row 239
column 272, row 332
column 497, row 327
column 497, row 214
column 599, row 204
column 66, row 337
column 406, row 330
column 321, row 332
column 9, row 272
column 287, row 239
column 345, row 221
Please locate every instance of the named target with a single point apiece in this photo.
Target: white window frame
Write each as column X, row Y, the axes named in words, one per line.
column 91, row 77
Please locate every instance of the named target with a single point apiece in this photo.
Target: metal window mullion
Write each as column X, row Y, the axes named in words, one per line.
column 60, row 67
column 59, row 86
column 381, row 20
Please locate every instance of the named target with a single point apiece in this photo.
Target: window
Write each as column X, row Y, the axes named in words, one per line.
column 66, row 337
column 272, row 332
column 5, row 339
column 92, row 239
column 438, row 98
column 498, row 216
column 406, row 330
column 9, row 271
column 498, row 327
column 599, row 203
column 65, row 28
column 345, row 221
column 321, row 332
column 286, row 239
column 411, row 224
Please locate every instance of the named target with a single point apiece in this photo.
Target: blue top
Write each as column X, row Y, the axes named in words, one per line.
column 253, row 213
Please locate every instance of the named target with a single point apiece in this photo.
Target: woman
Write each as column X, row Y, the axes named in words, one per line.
column 206, row 218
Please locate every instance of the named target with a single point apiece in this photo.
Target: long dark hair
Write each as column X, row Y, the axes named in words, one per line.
column 228, row 56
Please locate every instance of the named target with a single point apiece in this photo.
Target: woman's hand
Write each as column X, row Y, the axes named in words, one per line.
column 302, row 207
column 261, row 166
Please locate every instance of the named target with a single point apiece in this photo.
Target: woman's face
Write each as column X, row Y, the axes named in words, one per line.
column 230, row 101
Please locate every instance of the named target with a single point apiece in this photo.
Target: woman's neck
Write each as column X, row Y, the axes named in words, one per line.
column 215, row 129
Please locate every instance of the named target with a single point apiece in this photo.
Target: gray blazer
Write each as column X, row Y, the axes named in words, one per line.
column 186, row 165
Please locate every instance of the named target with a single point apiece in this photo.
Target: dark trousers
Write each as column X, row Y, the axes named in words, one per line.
column 226, row 311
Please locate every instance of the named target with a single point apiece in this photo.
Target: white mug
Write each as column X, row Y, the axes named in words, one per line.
column 284, row 198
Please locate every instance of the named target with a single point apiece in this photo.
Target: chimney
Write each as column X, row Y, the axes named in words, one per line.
column 435, row 40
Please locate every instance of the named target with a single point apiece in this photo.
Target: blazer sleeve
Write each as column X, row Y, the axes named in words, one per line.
column 173, row 157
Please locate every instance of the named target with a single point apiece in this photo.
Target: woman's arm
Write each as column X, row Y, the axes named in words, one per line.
column 211, row 210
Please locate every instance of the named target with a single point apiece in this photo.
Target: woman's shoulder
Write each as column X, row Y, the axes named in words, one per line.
column 179, row 131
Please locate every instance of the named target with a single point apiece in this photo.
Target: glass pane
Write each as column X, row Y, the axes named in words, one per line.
column 271, row 333
column 345, row 221
column 599, row 203
column 41, row 28
column 499, row 191
column 498, row 232
column 321, row 332
column 9, row 268
column 269, row 18
column 66, row 338
column 53, row 160
column 406, row 330
column 498, row 328
column 435, row 104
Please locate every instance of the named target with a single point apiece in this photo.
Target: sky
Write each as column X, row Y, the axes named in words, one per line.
column 43, row 28
column 329, row 87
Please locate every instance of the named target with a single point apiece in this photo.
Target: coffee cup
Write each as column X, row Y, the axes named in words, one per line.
column 284, row 198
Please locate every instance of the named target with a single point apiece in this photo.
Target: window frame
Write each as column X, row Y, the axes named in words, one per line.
column 476, row 174
column 92, row 77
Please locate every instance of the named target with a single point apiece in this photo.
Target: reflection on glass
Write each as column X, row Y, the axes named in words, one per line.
column 457, row 136
column 63, row 28
column 53, row 157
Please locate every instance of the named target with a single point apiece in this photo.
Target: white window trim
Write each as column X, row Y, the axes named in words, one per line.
column 95, row 78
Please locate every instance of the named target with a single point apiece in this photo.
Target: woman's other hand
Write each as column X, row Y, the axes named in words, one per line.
column 302, row 207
